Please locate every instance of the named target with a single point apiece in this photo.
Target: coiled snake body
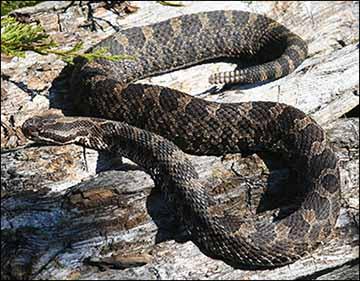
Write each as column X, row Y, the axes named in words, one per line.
column 103, row 89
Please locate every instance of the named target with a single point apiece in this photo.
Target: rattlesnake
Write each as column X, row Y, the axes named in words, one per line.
column 104, row 89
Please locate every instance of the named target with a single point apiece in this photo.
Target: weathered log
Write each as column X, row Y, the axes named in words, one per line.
column 68, row 213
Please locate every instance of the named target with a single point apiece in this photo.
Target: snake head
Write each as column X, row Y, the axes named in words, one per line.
column 51, row 128
column 57, row 129
column 39, row 128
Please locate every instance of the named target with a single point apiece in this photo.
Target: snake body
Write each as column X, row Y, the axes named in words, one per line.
column 129, row 119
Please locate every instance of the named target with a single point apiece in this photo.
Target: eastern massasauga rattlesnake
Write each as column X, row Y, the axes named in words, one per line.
column 104, row 89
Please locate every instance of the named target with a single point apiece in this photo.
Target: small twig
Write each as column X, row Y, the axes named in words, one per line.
column 85, row 159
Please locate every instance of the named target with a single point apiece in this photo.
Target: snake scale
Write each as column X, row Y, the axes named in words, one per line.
column 153, row 125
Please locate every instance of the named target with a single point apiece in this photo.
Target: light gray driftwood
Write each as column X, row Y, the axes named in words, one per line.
column 66, row 216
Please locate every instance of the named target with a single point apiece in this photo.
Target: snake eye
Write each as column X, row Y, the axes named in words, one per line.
column 28, row 128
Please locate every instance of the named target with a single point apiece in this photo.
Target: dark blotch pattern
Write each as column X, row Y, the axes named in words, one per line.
column 160, row 34
column 330, row 183
column 240, row 21
column 321, row 206
column 168, row 102
column 136, row 38
column 217, row 20
column 296, row 232
column 327, row 159
column 196, row 108
column 192, row 23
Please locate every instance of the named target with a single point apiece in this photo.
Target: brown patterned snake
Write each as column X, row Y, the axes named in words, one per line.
column 104, row 89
